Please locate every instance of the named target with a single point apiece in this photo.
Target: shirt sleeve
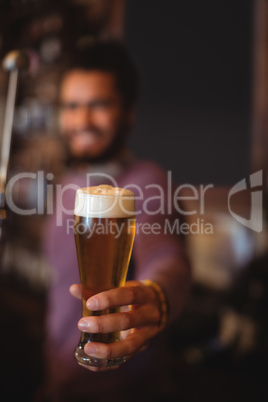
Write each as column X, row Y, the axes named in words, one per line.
column 159, row 250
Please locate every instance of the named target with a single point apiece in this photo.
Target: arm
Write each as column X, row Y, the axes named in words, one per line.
column 160, row 257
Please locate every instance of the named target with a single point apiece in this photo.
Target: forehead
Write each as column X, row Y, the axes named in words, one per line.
column 83, row 85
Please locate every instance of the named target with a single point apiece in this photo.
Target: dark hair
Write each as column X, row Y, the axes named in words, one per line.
column 113, row 57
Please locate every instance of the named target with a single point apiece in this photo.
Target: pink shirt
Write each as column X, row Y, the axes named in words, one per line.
column 158, row 254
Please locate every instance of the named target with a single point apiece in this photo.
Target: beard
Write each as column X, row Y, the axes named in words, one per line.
column 110, row 153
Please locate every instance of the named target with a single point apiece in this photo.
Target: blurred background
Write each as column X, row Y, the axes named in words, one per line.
column 202, row 115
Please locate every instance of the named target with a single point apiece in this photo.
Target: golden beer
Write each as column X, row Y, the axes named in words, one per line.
column 104, row 233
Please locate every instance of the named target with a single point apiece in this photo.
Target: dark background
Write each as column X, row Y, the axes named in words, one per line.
column 194, row 115
column 195, row 58
column 194, row 118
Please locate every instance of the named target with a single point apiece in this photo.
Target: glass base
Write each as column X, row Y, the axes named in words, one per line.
column 83, row 358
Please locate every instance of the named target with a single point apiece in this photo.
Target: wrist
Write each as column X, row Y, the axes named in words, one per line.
column 162, row 301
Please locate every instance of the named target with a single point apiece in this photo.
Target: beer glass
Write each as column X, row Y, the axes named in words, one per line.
column 104, row 229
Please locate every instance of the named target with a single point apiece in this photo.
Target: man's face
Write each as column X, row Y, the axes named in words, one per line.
column 92, row 112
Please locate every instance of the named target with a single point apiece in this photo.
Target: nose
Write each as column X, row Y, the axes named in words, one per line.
column 83, row 117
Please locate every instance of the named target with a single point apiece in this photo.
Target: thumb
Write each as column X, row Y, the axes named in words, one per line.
column 76, row 291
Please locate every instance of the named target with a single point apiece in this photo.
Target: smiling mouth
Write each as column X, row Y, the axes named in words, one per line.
column 92, row 134
column 86, row 137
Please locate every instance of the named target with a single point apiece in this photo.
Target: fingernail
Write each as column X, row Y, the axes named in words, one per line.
column 92, row 303
column 90, row 349
column 84, row 325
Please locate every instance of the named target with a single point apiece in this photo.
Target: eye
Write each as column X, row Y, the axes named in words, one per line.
column 69, row 106
column 100, row 104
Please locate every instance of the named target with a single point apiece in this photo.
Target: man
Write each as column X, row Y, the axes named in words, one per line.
column 98, row 94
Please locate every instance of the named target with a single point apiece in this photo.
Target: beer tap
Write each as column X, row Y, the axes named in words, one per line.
column 12, row 63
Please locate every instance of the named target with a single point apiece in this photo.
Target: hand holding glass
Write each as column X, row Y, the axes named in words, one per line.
column 104, row 233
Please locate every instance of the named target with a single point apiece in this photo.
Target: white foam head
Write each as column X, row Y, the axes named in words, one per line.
column 105, row 202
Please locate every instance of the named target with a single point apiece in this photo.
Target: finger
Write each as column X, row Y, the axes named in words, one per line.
column 125, row 333
column 120, row 297
column 132, row 344
column 76, row 291
column 146, row 315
